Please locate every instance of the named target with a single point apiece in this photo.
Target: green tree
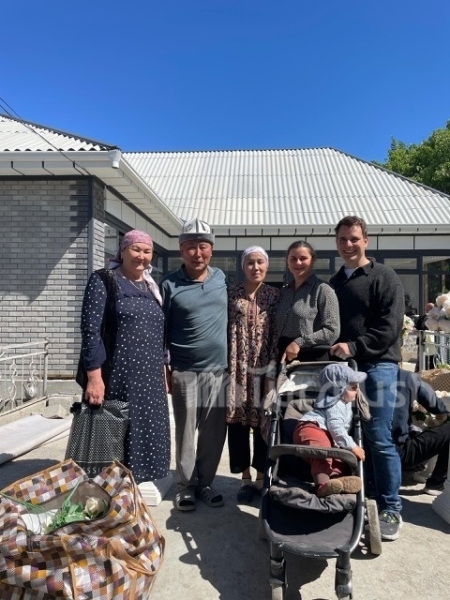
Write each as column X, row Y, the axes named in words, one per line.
column 428, row 162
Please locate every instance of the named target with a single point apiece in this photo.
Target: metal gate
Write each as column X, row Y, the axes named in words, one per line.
column 23, row 373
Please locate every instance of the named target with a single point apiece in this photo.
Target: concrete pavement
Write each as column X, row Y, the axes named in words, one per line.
column 215, row 553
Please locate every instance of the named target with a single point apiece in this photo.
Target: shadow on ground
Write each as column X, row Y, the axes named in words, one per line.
column 235, row 565
column 18, row 469
column 423, row 515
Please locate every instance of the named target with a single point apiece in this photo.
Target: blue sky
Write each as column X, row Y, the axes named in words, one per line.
column 230, row 74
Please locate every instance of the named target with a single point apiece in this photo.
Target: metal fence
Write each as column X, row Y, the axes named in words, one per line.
column 410, row 347
column 434, row 349
column 23, row 373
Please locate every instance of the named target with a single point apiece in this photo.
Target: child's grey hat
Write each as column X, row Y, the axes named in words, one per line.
column 196, row 230
column 333, row 380
column 340, row 375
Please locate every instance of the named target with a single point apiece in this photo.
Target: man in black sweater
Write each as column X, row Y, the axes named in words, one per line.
column 371, row 303
column 414, row 445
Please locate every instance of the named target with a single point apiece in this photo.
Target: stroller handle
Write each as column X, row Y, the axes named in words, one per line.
column 320, row 348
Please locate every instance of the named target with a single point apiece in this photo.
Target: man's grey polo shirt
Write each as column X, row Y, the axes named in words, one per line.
column 196, row 320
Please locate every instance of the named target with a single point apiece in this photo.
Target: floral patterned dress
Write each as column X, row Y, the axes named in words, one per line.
column 251, row 346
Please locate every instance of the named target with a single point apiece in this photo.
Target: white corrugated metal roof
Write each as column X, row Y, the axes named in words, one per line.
column 240, row 188
column 19, row 136
column 313, row 187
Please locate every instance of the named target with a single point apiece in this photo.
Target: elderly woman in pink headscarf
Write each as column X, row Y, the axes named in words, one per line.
column 122, row 326
column 251, row 361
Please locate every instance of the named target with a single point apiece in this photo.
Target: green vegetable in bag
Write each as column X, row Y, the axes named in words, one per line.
column 71, row 512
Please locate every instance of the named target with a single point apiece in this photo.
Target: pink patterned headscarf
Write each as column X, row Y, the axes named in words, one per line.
column 137, row 237
column 131, row 237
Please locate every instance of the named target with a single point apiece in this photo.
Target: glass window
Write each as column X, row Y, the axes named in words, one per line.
column 338, row 262
column 157, row 272
column 435, row 284
column 111, row 242
column 277, row 263
column 436, row 263
column 411, row 286
column 436, row 279
column 111, row 239
column 228, row 266
column 173, row 263
column 401, row 263
column 226, row 263
column 322, row 263
column 275, row 279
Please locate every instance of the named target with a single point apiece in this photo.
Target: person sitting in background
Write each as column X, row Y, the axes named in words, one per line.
column 328, row 424
column 416, row 446
column 429, row 349
column 420, row 325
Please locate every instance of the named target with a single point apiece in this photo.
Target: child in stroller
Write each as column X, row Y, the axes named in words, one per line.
column 327, row 425
column 293, row 518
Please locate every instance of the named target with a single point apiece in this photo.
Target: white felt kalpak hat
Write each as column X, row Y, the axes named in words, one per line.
column 196, row 230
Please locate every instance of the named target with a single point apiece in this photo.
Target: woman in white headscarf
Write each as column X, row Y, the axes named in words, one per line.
column 251, row 358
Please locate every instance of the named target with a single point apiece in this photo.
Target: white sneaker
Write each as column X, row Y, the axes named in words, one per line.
column 434, row 489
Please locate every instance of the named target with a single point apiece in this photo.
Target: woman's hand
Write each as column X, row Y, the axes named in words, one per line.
column 359, row 452
column 291, row 352
column 269, row 384
column 95, row 389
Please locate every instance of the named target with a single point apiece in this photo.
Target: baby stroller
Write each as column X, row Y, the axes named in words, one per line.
column 292, row 518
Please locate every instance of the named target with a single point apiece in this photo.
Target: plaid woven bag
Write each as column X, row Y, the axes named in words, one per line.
column 438, row 379
column 115, row 557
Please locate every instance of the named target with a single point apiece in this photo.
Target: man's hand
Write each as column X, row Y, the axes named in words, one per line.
column 441, row 418
column 341, row 350
column 291, row 352
column 359, row 452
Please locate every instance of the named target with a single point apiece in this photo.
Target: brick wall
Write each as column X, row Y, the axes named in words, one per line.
column 44, row 266
column 99, row 226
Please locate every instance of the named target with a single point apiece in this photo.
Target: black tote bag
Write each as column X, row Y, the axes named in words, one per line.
column 97, row 435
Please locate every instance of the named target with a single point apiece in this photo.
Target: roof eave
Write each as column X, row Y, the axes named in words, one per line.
column 108, row 166
column 302, row 231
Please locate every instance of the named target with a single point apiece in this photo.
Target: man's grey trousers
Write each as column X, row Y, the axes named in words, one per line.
column 198, row 403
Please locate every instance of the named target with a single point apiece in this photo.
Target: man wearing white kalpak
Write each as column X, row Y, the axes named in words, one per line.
column 195, row 307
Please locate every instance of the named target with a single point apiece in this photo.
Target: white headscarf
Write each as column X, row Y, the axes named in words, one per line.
column 255, row 249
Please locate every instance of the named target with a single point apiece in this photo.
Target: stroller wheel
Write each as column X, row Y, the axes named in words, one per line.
column 278, row 592
column 374, row 527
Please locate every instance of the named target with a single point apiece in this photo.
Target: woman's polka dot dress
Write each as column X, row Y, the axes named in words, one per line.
column 138, row 371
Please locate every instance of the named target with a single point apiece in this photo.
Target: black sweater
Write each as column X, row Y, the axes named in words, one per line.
column 371, row 305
